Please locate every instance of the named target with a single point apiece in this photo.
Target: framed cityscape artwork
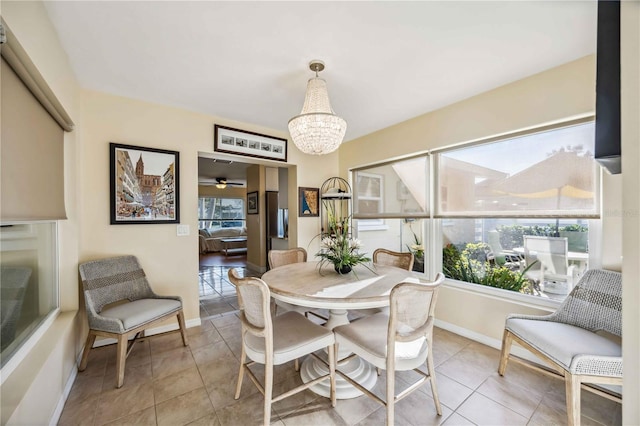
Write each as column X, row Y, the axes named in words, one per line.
column 144, row 185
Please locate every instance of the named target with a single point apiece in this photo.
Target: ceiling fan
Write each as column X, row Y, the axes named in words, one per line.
column 222, row 183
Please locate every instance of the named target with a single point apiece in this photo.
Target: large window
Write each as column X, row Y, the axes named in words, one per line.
column 511, row 213
column 215, row 213
column 28, row 281
column 527, row 201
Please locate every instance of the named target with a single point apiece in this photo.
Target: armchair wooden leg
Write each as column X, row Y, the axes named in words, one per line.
column 332, row 373
column 91, row 338
column 243, row 358
column 183, row 329
column 432, row 379
column 391, row 395
column 507, row 339
column 572, row 385
column 121, row 359
column 268, row 390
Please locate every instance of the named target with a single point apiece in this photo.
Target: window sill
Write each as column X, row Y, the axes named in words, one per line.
column 373, row 228
column 536, row 302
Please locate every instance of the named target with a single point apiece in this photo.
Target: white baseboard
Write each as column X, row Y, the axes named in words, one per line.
column 489, row 341
column 55, row 418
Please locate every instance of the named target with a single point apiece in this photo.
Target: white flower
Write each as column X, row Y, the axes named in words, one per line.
column 328, row 242
column 417, row 247
column 355, row 243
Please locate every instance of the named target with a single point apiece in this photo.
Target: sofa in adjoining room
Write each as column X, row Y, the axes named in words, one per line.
column 211, row 241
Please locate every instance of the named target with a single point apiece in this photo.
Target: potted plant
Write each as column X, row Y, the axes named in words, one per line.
column 418, row 252
column 339, row 249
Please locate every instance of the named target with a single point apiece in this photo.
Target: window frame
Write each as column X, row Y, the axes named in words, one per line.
column 432, row 232
column 221, row 220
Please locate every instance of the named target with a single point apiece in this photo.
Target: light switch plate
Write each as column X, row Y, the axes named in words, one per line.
column 183, row 230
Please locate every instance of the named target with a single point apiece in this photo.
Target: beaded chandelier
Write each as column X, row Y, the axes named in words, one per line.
column 317, row 130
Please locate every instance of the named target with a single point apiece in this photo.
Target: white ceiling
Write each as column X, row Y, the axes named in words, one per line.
column 248, row 61
column 386, row 61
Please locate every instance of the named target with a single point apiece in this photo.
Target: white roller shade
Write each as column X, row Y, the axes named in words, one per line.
column 550, row 173
column 32, row 155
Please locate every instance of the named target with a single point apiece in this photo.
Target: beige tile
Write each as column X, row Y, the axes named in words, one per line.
column 168, row 362
column 247, row 411
column 204, row 338
column 118, row 403
column 295, row 401
column 379, row 417
column 222, row 390
column 81, row 412
column 177, row 370
column 165, row 342
column 355, row 410
column 143, row 417
column 594, row 409
column 184, row 409
column 205, row 326
column 451, row 393
column 419, row 409
column 552, row 411
column 231, row 320
column 456, row 419
column 85, row 387
column 176, row 384
column 522, row 400
column 472, row 365
column 483, row 411
column 528, row 377
column 211, row 353
column 210, row 420
column 98, row 358
column 318, row 412
column 133, row 376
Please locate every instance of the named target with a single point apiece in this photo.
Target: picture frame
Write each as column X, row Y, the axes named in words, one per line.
column 144, row 185
column 240, row 142
column 308, row 202
column 252, row 202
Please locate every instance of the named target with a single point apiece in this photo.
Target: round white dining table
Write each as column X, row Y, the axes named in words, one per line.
column 304, row 284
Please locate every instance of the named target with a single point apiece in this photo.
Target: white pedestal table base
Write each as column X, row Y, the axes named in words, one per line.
column 359, row 370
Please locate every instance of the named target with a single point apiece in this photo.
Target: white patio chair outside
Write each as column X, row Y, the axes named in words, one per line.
column 552, row 269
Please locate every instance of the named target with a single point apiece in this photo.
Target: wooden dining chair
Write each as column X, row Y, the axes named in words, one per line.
column 393, row 258
column 399, row 341
column 387, row 258
column 278, row 258
column 275, row 341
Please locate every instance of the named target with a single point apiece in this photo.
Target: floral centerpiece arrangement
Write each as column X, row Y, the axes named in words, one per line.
column 339, row 249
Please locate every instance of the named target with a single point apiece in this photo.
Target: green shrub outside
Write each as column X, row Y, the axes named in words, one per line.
column 469, row 262
column 512, row 235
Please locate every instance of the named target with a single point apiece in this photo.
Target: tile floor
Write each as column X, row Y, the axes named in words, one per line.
column 168, row 384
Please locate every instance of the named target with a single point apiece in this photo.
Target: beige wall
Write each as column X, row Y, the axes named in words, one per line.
column 555, row 95
column 171, row 262
column 31, row 394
